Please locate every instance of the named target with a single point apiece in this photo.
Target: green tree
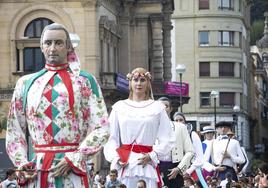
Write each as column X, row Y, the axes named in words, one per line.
column 256, row 31
column 258, row 7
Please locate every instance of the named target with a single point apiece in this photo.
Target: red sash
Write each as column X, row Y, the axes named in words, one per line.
column 50, row 150
column 124, row 153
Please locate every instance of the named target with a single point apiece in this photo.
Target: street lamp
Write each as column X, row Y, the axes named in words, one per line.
column 236, row 109
column 180, row 69
column 214, row 94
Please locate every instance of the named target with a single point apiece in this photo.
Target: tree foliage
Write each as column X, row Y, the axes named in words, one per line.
column 258, row 7
column 256, row 31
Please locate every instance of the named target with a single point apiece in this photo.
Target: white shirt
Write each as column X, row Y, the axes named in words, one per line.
column 9, row 184
column 224, row 183
column 140, row 123
column 183, row 151
column 233, row 149
column 198, row 150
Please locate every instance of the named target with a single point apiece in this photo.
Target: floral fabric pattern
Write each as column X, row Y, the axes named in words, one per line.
column 86, row 125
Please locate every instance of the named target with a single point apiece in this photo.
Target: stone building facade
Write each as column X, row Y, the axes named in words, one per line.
column 259, row 115
column 115, row 37
column 211, row 38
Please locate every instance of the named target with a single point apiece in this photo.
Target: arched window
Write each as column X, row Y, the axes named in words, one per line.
column 34, row 28
column 29, row 55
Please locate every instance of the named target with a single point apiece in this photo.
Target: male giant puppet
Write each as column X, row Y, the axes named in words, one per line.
column 63, row 112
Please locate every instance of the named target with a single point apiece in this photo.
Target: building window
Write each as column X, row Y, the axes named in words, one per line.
column 226, row 69
column 240, row 39
column 204, row 69
column 203, row 38
column 203, row 4
column 226, row 4
column 33, row 59
column 240, row 6
column 204, row 99
column 35, row 28
column 29, row 55
column 226, row 38
column 227, row 99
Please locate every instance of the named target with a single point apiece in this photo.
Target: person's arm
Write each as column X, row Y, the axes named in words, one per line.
column 188, row 150
column 98, row 129
column 113, row 143
column 238, row 156
column 16, row 144
column 199, row 156
column 166, row 137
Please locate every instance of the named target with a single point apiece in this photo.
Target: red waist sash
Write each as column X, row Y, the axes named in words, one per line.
column 124, row 153
column 50, row 150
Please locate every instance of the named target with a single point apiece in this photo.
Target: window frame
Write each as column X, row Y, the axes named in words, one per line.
column 31, row 40
column 204, row 73
column 201, row 43
column 224, row 101
column 225, row 38
column 207, row 98
column 222, row 5
column 223, row 72
column 204, row 4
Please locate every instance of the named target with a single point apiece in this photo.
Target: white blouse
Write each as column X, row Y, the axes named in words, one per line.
column 140, row 123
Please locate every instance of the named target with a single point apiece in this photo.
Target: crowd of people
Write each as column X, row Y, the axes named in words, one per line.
column 62, row 111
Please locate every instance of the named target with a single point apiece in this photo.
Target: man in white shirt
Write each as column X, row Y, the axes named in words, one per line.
column 10, row 181
column 227, row 152
column 174, row 165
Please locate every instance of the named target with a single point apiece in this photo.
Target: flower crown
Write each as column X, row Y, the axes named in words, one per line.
column 137, row 74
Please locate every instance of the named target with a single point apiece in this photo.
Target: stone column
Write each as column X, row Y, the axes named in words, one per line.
column 167, row 50
column 157, row 47
column 20, row 47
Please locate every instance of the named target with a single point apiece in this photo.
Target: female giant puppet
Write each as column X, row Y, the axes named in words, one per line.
column 136, row 123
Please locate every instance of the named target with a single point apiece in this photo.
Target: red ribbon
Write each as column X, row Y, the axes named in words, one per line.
column 141, row 149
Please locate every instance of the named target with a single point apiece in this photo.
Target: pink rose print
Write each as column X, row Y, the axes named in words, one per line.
column 22, row 141
column 104, row 121
column 18, row 105
column 71, row 57
column 62, row 98
column 86, row 92
column 40, row 124
column 86, row 113
column 12, row 147
column 77, row 138
column 90, row 150
column 74, row 126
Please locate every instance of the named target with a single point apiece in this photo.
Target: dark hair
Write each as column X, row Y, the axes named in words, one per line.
column 142, row 181
column 9, row 172
column 56, row 26
column 114, row 171
column 122, row 186
column 179, row 114
column 264, row 168
column 164, row 99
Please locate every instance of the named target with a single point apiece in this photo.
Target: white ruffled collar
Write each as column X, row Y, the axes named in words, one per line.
column 138, row 104
column 138, row 109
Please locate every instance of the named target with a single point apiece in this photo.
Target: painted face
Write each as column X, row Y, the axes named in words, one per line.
column 139, row 85
column 54, row 46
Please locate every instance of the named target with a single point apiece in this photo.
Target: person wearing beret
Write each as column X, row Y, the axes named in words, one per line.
column 226, row 151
